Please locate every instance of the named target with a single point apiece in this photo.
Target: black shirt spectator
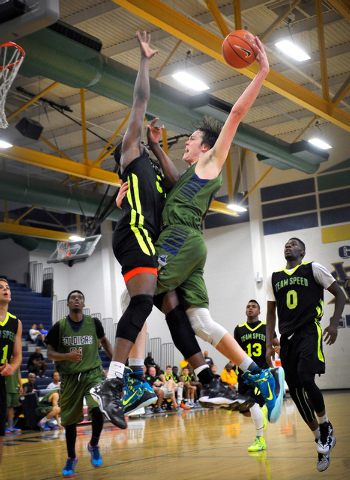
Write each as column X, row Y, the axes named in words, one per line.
column 149, row 361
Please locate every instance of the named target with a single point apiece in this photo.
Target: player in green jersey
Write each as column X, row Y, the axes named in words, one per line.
column 297, row 293
column 73, row 344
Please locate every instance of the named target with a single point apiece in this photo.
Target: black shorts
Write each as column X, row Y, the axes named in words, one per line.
column 250, row 391
column 133, row 249
column 3, row 406
column 302, row 352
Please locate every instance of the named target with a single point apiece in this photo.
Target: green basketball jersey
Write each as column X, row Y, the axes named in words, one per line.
column 86, row 339
column 44, row 402
column 189, row 200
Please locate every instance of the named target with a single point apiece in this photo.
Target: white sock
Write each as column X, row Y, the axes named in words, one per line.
column 322, row 419
column 245, row 364
column 257, row 418
column 116, row 370
column 200, row 369
column 44, row 420
column 136, row 362
column 316, row 433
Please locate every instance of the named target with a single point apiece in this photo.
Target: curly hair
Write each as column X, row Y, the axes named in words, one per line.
column 211, row 129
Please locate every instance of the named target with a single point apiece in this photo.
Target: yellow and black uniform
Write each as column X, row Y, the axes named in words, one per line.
column 8, row 330
column 181, row 250
column 251, row 337
column 77, row 378
column 139, row 226
column 300, row 308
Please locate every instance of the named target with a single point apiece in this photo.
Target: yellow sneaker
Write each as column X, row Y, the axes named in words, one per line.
column 258, row 445
column 264, row 412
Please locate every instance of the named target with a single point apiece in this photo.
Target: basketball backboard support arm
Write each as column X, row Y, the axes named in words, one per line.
column 41, row 14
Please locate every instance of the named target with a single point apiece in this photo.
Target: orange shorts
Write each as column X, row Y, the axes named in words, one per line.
column 137, row 270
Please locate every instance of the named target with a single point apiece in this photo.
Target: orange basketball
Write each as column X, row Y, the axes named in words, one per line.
column 239, row 49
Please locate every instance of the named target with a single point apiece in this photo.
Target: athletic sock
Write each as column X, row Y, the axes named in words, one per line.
column 322, row 419
column 136, row 365
column 116, row 370
column 204, row 374
column 316, row 433
column 258, row 419
column 248, row 364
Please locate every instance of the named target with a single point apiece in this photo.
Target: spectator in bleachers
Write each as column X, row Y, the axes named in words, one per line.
column 214, row 369
column 12, row 383
column 36, row 363
column 176, row 375
column 189, row 390
column 195, row 381
column 208, row 359
column 155, row 382
column 171, row 384
column 56, row 382
column 30, row 386
column 48, row 408
column 228, row 375
column 36, row 336
column 149, row 360
column 42, row 329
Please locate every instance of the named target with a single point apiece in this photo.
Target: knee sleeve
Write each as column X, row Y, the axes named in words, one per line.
column 182, row 333
column 134, row 317
column 313, row 392
column 204, row 326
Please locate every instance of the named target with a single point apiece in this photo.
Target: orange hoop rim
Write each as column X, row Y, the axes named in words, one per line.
column 20, row 49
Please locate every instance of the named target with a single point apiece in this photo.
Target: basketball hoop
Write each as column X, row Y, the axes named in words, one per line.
column 63, row 250
column 11, row 57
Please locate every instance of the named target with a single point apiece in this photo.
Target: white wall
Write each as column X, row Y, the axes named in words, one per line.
column 14, row 261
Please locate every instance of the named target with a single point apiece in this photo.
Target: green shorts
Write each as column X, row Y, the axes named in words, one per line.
column 73, row 390
column 41, row 412
column 12, row 400
column 182, row 254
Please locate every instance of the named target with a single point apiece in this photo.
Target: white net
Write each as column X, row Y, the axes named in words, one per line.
column 11, row 57
column 63, row 250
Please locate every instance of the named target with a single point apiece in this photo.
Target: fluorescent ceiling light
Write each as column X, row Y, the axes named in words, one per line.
column 4, row 144
column 319, row 143
column 190, row 81
column 236, row 208
column 76, row 238
column 290, row 49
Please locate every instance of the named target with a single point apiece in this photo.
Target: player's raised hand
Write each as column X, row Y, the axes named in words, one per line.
column 262, row 57
column 144, row 41
column 154, row 132
column 124, row 187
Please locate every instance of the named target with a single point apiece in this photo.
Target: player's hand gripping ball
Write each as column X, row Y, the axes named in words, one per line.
column 239, row 49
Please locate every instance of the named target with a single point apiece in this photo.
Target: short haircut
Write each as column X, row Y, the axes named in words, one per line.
column 302, row 244
column 250, row 301
column 75, row 291
column 4, row 280
column 168, row 366
column 210, row 128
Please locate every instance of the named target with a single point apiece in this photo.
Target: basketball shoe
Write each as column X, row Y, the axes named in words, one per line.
column 215, row 394
column 108, row 394
column 271, row 385
column 96, row 457
column 137, row 394
column 327, row 441
column 68, row 469
column 258, row 445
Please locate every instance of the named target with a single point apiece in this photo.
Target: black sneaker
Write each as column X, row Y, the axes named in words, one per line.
column 108, row 395
column 157, row 410
column 327, row 441
column 215, row 394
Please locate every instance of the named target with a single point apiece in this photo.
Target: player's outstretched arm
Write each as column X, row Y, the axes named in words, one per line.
column 132, row 138
column 209, row 166
column 330, row 333
column 154, row 133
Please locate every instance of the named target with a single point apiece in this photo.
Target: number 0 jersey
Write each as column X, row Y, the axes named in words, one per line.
column 252, row 338
column 298, row 296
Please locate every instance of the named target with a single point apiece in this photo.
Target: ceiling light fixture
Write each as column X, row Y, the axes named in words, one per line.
column 4, row 144
column 290, row 49
column 190, row 81
column 76, row 238
column 236, row 208
column 319, row 143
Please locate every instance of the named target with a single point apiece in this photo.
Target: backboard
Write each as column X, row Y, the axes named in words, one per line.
column 78, row 250
column 22, row 17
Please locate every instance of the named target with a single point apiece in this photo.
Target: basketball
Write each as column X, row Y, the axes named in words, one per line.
column 239, row 49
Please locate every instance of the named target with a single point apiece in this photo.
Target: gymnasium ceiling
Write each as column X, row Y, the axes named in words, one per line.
column 75, row 163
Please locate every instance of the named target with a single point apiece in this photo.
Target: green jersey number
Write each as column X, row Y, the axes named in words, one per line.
column 254, row 350
column 5, row 350
column 292, row 299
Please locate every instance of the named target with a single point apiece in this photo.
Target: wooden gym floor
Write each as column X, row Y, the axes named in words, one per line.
column 201, row 444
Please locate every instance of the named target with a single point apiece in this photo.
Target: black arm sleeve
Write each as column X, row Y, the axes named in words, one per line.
column 53, row 337
column 99, row 328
